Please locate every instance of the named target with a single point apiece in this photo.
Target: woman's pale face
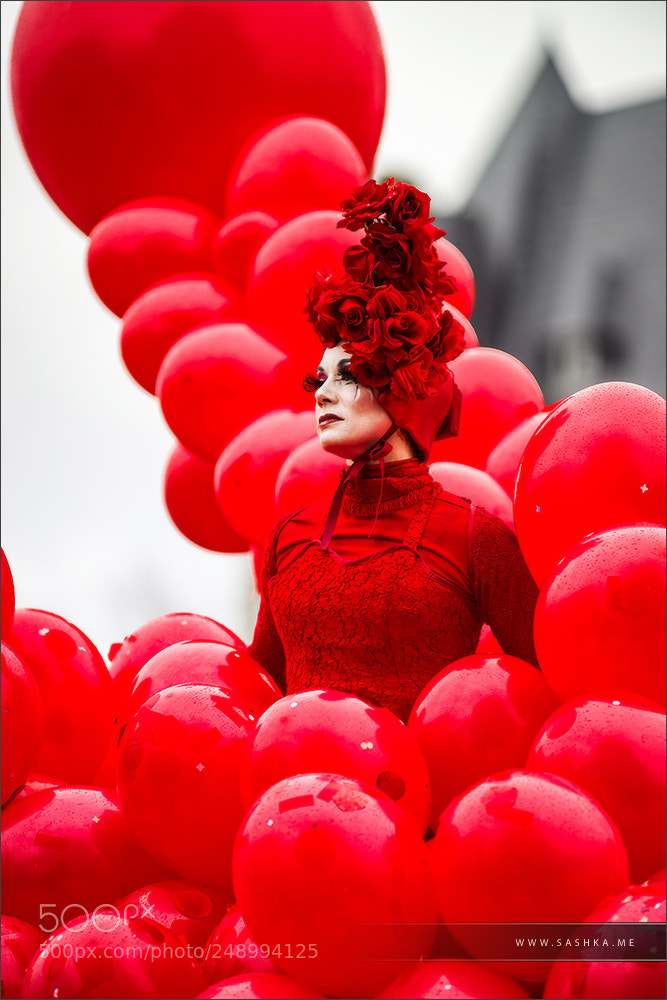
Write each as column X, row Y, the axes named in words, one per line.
column 349, row 417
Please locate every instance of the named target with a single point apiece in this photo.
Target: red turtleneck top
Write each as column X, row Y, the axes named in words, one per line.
column 391, row 601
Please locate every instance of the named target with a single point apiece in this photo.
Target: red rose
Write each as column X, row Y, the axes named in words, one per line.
column 391, row 253
column 366, row 203
column 450, row 341
column 357, row 262
column 341, row 311
column 409, row 382
column 386, row 301
column 409, row 208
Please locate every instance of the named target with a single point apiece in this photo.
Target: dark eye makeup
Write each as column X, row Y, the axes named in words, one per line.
column 311, row 383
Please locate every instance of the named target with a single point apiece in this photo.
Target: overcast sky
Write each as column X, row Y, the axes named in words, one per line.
column 84, row 449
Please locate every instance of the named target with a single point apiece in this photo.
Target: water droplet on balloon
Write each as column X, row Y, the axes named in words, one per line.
column 616, row 703
column 269, row 822
column 293, row 704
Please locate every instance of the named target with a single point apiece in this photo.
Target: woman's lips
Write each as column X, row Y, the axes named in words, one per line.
column 327, row 418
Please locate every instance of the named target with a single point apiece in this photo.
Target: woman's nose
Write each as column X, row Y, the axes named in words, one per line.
column 326, row 392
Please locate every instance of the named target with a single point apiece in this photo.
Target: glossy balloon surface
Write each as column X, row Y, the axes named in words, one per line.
column 232, row 951
column 189, row 497
column 145, row 241
column 458, row 268
column 117, row 101
column 478, row 715
column 461, row 980
column 613, row 746
column 188, row 910
column 22, row 723
column 66, row 851
column 325, row 730
column 596, row 462
column 235, row 244
column 107, row 955
column 75, row 691
column 308, row 474
column 260, row 986
column 600, row 616
column 504, row 459
column 296, row 165
column 475, row 485
column 7, row 597
column 178, row 778
column 164, row 312
column 328, row 861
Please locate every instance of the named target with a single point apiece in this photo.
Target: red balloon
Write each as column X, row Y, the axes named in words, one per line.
column 503, row 461
column 478, row 715
column 260, row 986
column 614, row 980
column 613, row 746
column 469, row 336
column 596, row 462
column 295, row 165
column 20, row 941
column 332, row 864
column 523, row 848
column 188, row 910
column 307, row 475
column 600, row 616
column 331, row 731
column 178, row 778
column 117, row 101
column 190, row 500
column 145, row 241
column 236, row 243
column 475, row 485
column 164, row 312
column 75, row 690
column 105, row 955
column 452, row 980
column 65, row 852
column 282, row 274
column 458, row 268
column 245, row 474
column 498, row 393
column 216, row 380
column 214, row 663
column 231, row 950
column 128, row 657
column 7, row 598
column 22, row 723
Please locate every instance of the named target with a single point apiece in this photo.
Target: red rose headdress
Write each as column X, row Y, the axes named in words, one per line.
column 387, row 309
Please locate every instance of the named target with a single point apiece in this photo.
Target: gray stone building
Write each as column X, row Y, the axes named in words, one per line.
column 566, row 236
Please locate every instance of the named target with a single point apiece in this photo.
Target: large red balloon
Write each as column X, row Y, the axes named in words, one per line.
column 307, row 475
column 22, row 723
column 498, row 393
column 199, row 662
column 123, row 100
column 236, row 243
column 20, row 941
column 589, row 980
column 523, row 848
column 293, row 166
column 66, row 851
column 188, row 910
column 216, row 380
column 336, row 874
column 596, row 462
column 164, row 312
column 6, row 596
column 282, row 274
column 458, row 268
column 107, row 955
column 189, row 497
column 144, row 242
column 178, row 778
column 470, row 338
column 245, row 474
column 75, row 690
column 325, row 730
column 128, row 657
column 503, row 461
column 613, row 746
column 475, row 485
column 478, row 715
column 600, row 616
column 459, row 980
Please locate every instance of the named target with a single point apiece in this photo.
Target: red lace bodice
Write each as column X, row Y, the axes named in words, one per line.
column 379, row 616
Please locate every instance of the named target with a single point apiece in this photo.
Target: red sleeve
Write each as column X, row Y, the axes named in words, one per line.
column 504, row 589
column 266, row 646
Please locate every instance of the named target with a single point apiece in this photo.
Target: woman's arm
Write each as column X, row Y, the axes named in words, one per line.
column 504, row 589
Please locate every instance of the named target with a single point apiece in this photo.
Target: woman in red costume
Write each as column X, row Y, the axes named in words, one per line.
column 377, row 590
